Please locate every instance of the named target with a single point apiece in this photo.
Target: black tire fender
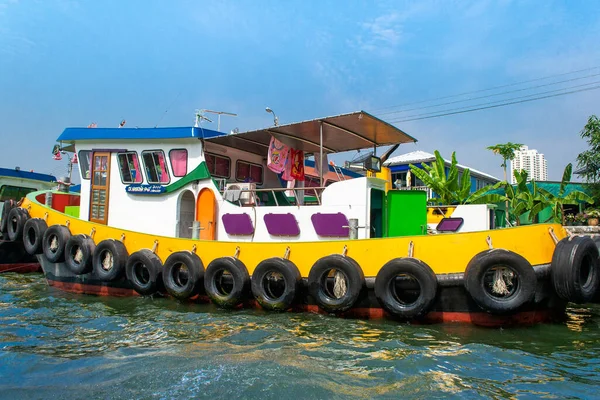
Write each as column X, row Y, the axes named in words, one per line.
column 183, row 283
column 33, row 235
column 477, row 280
column 575, row 269
column 54, row 242
column 240, row 282
column 8, row 206
column 109, row 259
column 15, row 224
column 144, row 272
column 318, row 284
column 79, row 254
column 386, row 290
column 265, row 275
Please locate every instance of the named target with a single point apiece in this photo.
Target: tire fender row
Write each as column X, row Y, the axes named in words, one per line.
column 497, row 280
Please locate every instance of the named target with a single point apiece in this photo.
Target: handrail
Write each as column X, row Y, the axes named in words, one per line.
column 254, row 192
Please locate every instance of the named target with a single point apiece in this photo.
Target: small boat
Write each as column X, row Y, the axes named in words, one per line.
column 233, row 219
column 14, row 185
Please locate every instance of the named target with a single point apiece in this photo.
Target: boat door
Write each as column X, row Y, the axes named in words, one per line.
column 99, row 190
column 206, row 213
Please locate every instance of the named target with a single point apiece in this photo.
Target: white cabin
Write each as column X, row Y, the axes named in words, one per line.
column 166, row 181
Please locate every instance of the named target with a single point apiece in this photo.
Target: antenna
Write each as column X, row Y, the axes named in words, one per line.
column 219, row 113
column 200, row 117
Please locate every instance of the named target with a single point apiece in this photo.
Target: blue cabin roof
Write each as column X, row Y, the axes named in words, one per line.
column 27, row 175
column 74, row 134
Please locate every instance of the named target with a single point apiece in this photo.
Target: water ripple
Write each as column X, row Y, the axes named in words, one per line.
column 55, row 345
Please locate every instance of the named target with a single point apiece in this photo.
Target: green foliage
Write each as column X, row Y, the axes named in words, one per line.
column 557, row 202
column 506, row 151
column 589, row 160
column 449, row 187
column 523, row 199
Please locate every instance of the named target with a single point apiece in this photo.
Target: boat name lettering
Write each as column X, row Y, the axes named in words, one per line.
column 145, row 189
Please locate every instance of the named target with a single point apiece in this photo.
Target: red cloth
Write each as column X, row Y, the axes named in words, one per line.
column 297, row 171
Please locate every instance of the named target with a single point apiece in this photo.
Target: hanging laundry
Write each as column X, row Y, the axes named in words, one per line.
column 297, row 171
column 287, row 169
column 277, row 156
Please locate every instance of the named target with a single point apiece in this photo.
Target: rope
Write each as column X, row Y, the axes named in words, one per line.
column 339, row 285
column 499, row 286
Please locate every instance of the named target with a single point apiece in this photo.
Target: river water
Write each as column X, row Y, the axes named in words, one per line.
column 59, row 345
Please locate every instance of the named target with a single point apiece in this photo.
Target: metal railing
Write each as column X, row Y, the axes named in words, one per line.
column 257, row 201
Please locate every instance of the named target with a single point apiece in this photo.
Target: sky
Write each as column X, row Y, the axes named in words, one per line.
column 67, row 63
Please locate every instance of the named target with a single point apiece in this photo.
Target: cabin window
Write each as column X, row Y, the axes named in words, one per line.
column 247, row 172
column 218, row 166
column 129, row 166
column 179, row 160
column 156, row 167
column 8, row 192
column 84, row 163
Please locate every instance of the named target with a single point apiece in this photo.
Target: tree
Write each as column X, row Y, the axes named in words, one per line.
column 557, row 202
column 507, row 152
column 589, row 161
column 449, row 188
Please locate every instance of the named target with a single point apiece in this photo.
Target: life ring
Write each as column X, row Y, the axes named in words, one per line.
column 226, row 282
column 54, row 242
column 15, row 224
column 79, row 253
column 276, row 283
column 144, row 272
column 575, row 269
column 182, row 275
column 33, row 235
column 406, row 287
column 8, row 206
column 109, row 259
column 500, row 281
column 335, row 282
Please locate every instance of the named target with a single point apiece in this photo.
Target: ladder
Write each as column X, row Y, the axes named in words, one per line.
column 338, row 172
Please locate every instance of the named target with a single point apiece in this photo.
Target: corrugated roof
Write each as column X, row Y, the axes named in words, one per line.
column 553, row 187
column 422, row 156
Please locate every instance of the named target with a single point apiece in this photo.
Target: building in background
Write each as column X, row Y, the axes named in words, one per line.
column 399, row 167
column 532, row 162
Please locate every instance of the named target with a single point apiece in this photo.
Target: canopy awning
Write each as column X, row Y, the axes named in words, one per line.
column 345, row 132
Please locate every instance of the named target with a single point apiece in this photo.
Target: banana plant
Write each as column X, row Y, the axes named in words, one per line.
column 557, row 202
column 523, row 199
column 451, row 189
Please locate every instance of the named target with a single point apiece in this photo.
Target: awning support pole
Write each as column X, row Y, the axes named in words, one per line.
column 321, row 154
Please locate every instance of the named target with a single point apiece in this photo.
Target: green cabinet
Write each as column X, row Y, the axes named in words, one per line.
column 406, row 212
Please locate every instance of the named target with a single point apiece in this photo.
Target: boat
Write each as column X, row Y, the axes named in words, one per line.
column 199, row 215
column 14, row 185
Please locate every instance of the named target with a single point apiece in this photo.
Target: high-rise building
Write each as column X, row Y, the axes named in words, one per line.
column 532, row 162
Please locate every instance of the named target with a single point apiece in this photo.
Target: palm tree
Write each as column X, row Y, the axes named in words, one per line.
column 507, row 152
column 557, row 202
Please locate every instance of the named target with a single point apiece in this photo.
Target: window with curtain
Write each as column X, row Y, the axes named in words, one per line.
column 179, row 160
column 218, row 166
column 247, row 172
column 129, row 166
column 156, row 167
column 84, row 163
